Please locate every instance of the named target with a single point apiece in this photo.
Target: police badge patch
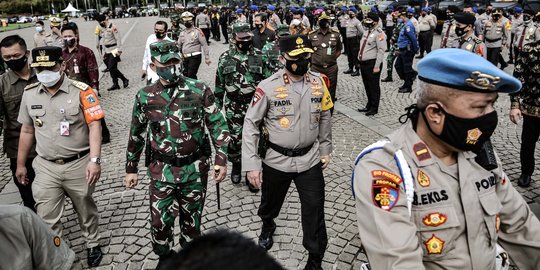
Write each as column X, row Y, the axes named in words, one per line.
column 385, row 193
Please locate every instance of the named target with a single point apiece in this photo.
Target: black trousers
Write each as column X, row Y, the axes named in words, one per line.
column 404, row 67
column 332, row 73
column 310, row 186
column 215, row 33
column 372, row 83
column 112, row 65
column 353, row 46
column 425, row 40
column 224, row 32
column 493, row 55
column 206, row 32
column 389, row 31
column 529, row 137
column 191, row 66
column 25, row 191
column 512, row 38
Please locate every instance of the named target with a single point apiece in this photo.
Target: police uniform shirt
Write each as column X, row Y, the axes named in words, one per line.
column 459, row 212
column 45, row 112
column 415, row 23
column 516, row 23
column 353, row 27
column 495, row 33
column 426, row 23
column 110, row 38
column 526, row 34
column 326, row 46
column 448, row 34
column 407, row 37
column 193, row 41
column 373, row 46
column 42, row 39
column 294, row 120
column 389, row 20
column 472, row 44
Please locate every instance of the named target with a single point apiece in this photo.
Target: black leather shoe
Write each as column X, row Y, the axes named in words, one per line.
column 420, row 56
column 225, row 42
column 94, row 256
column 405, row 90
column 365, row 109
column 314, row 262
column 356, row 73
column 251, row 187
column 371, row 112
column 524, row 180
column 114, row 87
column 267, row 232
column 236, row 173
column 126, row 83
column 348, row 71
column 387, row 79
column 106, row 70
column 164, row 259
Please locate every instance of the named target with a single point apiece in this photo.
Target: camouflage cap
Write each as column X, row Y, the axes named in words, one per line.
column 164, row 51
column 283, row 30
column 241, row 30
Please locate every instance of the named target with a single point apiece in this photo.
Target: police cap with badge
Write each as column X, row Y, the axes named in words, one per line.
column 295, row 45
column 46, row 57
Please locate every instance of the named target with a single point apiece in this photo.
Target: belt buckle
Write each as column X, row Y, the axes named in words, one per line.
column 59, row 162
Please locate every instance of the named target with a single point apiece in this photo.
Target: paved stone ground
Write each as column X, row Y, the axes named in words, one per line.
column 124, row 214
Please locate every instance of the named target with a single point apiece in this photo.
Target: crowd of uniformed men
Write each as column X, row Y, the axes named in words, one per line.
column 270, row 116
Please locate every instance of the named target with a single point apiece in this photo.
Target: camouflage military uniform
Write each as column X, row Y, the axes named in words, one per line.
column 237, row 76
column 176, row 27
column 270, row 50
column 391, row 56
column 174, row 119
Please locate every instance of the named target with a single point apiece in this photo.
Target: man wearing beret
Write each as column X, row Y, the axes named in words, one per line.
column 422, row 199
column 63, row 117
column 465, row 34
column 293, row 107
column 173, row 112
column 408, row 47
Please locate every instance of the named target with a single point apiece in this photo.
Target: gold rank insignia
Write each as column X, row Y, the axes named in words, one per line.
column 284, row 122
column 482, row 81
column 317, row 93
column 316, row 87
column 434, row 245
column 497, row 223
column 473, row 135
column 434, row 219
column 42, row 56
column 423, row 178
column 282, row 95
column 281, row 89
column 469, row 47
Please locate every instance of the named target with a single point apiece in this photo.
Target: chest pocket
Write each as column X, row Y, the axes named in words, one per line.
column 72, row 114
column 37, row 114
column 316, row 107
column 229, row 71
column 283, row 112
column 255, row 65
column 12, row 102
column 491, row 206
column 436, row 231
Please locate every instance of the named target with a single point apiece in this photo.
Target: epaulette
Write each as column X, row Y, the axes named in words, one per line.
column 334, row 29
column 30, row 86
column 477, row 40
column 82, row 86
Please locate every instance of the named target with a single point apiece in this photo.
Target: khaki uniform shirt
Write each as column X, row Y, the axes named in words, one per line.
column 516, row 23
column 448, row 34
column 426, row 23
column 353, row 27
column 193, row 41
column 28, row 243
column 110, row 38
column 11, row 92
column 472, row 44
column 373, row 46
column 327, row 47
column 416, row 26
column 202, row 21
column 64, row 105
column 525, row 34
column 296, row 114
column 459, row 212
column 495, row 34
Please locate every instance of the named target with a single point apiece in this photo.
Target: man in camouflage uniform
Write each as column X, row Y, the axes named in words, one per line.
column 391, row 54
column 176, row 28
column 174, row 112
column 271, row 52
column 239, row 71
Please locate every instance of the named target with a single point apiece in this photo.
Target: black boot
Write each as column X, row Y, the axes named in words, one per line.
column 405, row 90
column 524, row 180
column 348, row 71
column 372, row 112
column 387, row 79
column 236, row 173
column 113, row 87
column 356, row 73
column 314, row 262
column 126, row 83
column 251, row 187
column 164, row 259
column 94, row 256
column 267, row 232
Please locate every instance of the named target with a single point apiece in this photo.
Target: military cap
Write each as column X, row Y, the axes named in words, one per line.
column 475, row 9
column 241, row 30
column 353, row 9
column 302, row 9
column 411, row 10
column 466, row 71
column 518, row 10
column 317, row 11
column 425, row 9
column 324, row 16
column 295, row 45
column 391, row 8
column 374, row 9
column 239, row 10
column 465, row 18
column 498, row 12
column 283, row 30
column 344, row 9
column 55, row 21
column 47, row 56
column 453, row 9
column 163, row 51
column 175, row 17
column 293, row 9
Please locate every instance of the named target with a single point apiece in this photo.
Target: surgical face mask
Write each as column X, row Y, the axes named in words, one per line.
column 159, row 35
column 466, row 134
column 460, row 31
column 70, row 42
column 244, row 45
column 49, row 78
column 368, row 24
column 39, row 29
column 298, row 67
column 170, row 74
column 17, row 64
column 188, row 24
column 323, row 24
column 450, row 16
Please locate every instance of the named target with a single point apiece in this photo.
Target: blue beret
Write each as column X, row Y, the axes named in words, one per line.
column 353, row 9
column 475, row 9
column 429, row 9
column 303, row 9
column 425, row 9
column 293, row 9
column 374, row 9
column 254, row 7
column 463, row 70
column 239, row 10
column 410, row 10
column 344, row 9
column 271, row 7
column 518, row 10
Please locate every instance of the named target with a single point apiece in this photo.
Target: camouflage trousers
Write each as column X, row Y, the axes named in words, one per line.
column 390, row 58
column 235, row 114
column 182, row 197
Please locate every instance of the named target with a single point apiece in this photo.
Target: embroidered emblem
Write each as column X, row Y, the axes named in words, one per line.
column 282, row 95
column 423, row 178
column 473, row 135
column 421, row 151
column 257, row 96
column 384, row 194
column 283, row 110
column 434, row 245
column 284, row 122
column 381, row 174
column 434, row 219
column 317, row 93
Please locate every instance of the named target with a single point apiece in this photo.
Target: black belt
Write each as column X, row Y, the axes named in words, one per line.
column 108, row 46
column 493, row 40
column 175, row 161
column 367, row 61
column 426, row 31
column 325, row 66
column 69, row 159
column 290, row 152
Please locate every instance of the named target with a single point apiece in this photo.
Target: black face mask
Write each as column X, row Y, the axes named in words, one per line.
column 17, row 64
column 244, row 45
column 450, row 16
column 102, row 24
column 527, row 19
column 409, row 16
column 70, row 42
column 298, row 67
column 496, row 18
column 460, row 31
column 259, row 25
column 466, row 134
column 188, row 24
column 323, row 24
column 159, row 35
column 488, row 12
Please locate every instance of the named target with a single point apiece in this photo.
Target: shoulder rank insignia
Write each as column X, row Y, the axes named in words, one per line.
column 385, row 189
column 80, row 85
column 434, row 245
column 434, row 219
column 421, row 151
column 282, row 95
column 30, row 86
column 423, row 178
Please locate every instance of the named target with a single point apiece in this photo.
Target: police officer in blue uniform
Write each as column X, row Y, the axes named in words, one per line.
column 408, row 47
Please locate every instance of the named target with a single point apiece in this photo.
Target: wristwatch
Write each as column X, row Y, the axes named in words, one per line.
column 96, row 160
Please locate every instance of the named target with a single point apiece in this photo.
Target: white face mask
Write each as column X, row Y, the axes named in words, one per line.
column 49, row 78
column 39, row 29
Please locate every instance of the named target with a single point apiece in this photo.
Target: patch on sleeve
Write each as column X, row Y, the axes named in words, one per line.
column 385, row 193
column 90, row 105
column 259, row 93
column 327, row 103
column 434, row 245
column 57, row 241
column 421, row 151
column 434, row 219
column 382, row 174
